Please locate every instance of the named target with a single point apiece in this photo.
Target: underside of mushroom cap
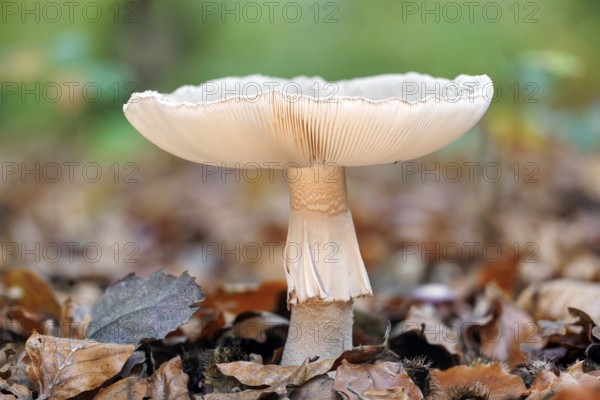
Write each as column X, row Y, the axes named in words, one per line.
column 265, row 122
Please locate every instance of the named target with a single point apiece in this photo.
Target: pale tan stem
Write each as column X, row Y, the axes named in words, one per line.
column 322, row 258
column 318, row 328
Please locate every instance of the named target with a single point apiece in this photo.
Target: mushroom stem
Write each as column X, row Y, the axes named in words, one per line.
column 318, row 328
column 323, row 265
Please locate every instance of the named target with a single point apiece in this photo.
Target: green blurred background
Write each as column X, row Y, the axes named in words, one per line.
column 543, row 56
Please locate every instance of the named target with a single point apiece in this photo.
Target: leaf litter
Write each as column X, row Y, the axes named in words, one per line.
column 527, row 323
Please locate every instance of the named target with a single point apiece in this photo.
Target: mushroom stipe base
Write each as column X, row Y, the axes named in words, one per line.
column 318, row 328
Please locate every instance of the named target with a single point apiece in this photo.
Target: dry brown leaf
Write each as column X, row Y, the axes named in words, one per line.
column 385, row 394
column 551, row 299
column 23, row 322
column 354, row 380
column 436, row 332
column 169, row 382
column 502, row 337
column 320, row 387
column 73, row 323
column 245, row 395
column 32, row 292
column 253, row 374
column 278, row 377
column 361, row 354
column 541, row 387
column 583, row 392
column 63, row 368
column 263, row 297
column 504, row 273
column 364, row 354
column 205, row 324
column 499, row 383
column 14, row 371
column 549, row 328
column 18, row 392
column 571, row 385
column 132, row 388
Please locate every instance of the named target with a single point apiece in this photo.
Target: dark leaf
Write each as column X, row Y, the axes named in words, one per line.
column 136, row 308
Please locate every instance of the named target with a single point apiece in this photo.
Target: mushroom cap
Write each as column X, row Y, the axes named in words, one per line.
column 264, row 122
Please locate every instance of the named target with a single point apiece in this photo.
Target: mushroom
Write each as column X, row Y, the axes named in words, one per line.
column 313, row 129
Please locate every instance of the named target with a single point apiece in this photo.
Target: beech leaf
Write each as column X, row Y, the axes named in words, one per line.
column 62, row 368
column 169, row 382
column 132, row 388
column 277, row 377
column 357, row 381
column 137, row 308
column 36, row 295
column 253, row 374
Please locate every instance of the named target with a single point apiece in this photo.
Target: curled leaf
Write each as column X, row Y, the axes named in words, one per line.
column 169, row 382
column 355, row 382
column 62, row 368
column 253, row 374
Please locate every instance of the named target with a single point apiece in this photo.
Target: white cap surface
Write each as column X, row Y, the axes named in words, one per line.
column 259, row 121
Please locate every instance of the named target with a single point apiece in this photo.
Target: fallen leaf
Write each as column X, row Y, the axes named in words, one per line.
column 14, row 370
column 423, row 318
column 253, row 374
column 205, row 324
column 502, row 337
column 18, row 392
column 32, row 292
column 363, row 354
column 74, row 320
column 353, row 380
column 583, row 320
column 235, row 299
column 23, row 322
column 552, row 299
column 585, row 391
column 132, row 388
column 540, row 388
column 63, row 368
column 570, row 385
column 138, row 357
column 320, row 387
column 499, row 383
column 244, row 395
column 398, row 393
column 169, row 382
column 503, row 272
column 136, row 308
column 279, row 378
column 549, row 328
